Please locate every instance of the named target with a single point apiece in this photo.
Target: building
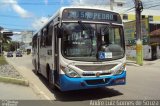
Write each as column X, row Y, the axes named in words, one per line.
column 152, row 48
column 26, row 40
column 155, row 43
column 153, row 15
column 151, row 41
column 118, row 3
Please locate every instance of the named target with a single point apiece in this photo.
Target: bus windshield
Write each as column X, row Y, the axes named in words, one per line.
column 92, row 42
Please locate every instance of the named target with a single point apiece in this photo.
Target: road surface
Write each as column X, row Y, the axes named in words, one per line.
column 16, row 92
column 143, row 83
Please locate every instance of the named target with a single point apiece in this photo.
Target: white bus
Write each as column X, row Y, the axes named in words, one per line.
column 81, row 48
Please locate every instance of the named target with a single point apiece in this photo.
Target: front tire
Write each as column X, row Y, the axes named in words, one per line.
column 36, row 69
column 50, row 78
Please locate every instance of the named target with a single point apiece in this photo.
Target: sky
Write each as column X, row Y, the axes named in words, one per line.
column 26, row 14
column 21, row 15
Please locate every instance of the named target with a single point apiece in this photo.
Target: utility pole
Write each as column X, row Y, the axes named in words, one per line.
column 139, row 45
column 1, row 43
column 1, row 47
column 111, row 4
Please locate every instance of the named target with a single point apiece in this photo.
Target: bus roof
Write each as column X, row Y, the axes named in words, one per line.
column 70, row 7
column 87, row 7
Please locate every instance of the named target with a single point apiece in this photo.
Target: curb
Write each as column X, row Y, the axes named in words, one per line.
column 14, row 81
column 132, row 64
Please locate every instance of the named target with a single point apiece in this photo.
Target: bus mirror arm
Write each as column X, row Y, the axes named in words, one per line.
column 60, row 32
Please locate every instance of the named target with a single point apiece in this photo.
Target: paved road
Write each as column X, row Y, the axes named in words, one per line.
column 16, row 92
column 25, row 67
column 143, row 82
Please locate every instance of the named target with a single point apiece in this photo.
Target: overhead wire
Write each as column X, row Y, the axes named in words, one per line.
column 18, row 29
column 14, row 17
column 149, row 2
column 152, row 6
column 2, row 24
column 147, row 5
column 27, row 3
column 127, row 10
column 100, row 2
column 96, row 2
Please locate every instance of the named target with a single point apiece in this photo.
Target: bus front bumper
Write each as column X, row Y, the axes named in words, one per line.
column 67, row 83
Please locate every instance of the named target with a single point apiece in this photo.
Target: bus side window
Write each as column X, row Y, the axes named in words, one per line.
column 49, row 34
column 44, row 37
column 34, row 42
column 41, row 39
column 149, row 50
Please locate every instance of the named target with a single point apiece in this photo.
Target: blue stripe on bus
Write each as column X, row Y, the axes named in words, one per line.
column 67, row 83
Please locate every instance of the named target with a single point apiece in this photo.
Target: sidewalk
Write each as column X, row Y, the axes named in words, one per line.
column 145, row 62
column 17, row 92
column 130, row 62
column 9, row 74
column 25, row 69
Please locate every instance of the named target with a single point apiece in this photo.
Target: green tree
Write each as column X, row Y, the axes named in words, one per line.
column 4, row 38
column 0, row 39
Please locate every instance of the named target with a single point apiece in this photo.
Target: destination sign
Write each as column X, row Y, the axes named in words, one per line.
column 91, row 15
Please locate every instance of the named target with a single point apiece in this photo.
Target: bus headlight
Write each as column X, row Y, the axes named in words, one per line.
column 122, row 68
column 70, row 72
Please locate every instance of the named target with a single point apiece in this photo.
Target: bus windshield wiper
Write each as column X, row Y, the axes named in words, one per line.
column 106, row 29
column 82, row 25
column 90, row 31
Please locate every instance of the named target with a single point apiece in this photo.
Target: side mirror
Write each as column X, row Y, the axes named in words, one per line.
column 60, row 32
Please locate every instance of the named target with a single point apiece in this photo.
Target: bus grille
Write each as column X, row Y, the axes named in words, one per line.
column 96, row 67
column 85, row 74
column 97, row 81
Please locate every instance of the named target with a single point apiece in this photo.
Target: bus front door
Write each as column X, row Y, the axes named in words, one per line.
column 56, row 56
column 37, row 55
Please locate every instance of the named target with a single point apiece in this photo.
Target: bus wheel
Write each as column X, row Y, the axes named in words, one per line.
column 36, row 69
column 49, row 77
